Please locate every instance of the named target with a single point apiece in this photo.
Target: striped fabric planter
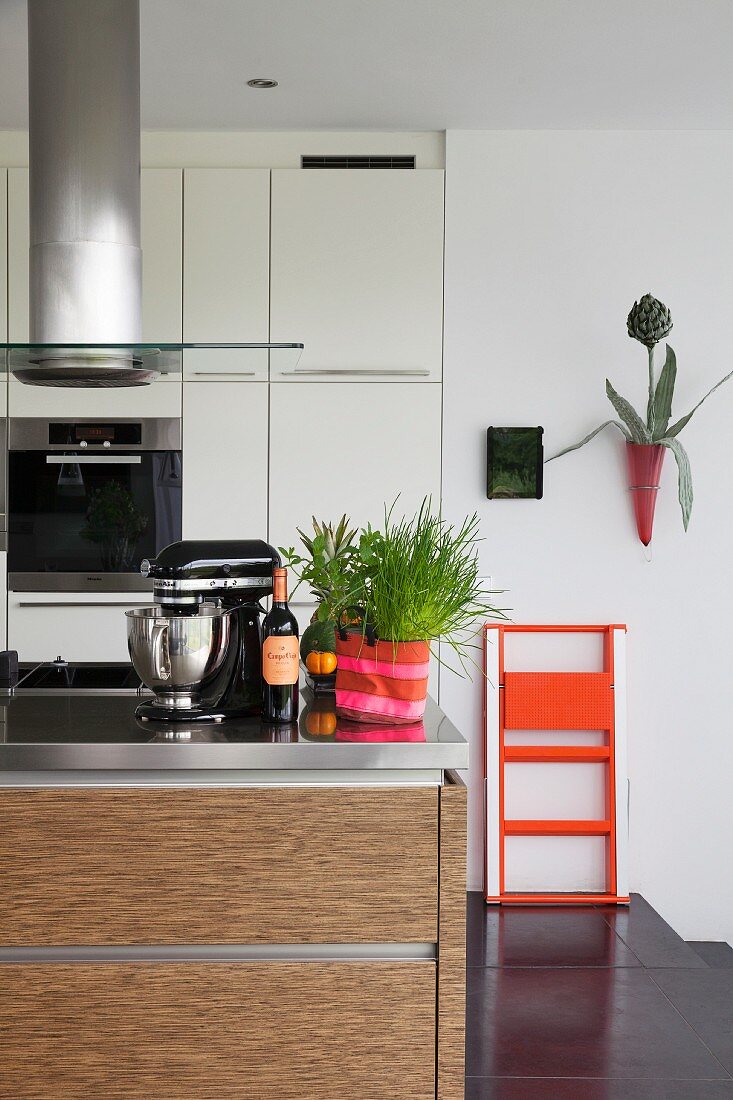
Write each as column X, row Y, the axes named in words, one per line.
column 382, row 683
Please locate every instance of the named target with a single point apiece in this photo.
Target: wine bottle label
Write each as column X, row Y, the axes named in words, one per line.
column 280, row 660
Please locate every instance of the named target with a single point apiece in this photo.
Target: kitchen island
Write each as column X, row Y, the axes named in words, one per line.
column 229, row 910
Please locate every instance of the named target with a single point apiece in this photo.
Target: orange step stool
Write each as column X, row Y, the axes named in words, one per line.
column 519, row 702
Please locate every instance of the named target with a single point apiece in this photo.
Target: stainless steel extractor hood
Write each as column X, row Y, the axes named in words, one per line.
column 85, row 256
column 84, row 130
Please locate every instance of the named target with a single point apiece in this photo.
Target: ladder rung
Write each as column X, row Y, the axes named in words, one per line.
column 555, row 899
column 557, row 828
column 561, row 754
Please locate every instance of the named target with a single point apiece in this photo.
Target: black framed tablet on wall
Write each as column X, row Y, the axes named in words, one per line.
column 514, row 458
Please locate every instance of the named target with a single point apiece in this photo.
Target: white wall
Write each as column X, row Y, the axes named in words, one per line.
column 549, row 238
column 255, row 149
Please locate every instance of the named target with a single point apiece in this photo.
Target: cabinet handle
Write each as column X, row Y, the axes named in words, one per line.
column 377, row 371
column 225, row 373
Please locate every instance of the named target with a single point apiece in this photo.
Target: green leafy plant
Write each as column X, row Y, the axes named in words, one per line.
column 329, row 567
column 420, row 579
column 649, row 321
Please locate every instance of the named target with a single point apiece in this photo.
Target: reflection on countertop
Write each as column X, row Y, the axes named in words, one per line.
column 78, row 731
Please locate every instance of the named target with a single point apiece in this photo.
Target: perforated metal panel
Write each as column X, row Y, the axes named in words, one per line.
column 558, row 700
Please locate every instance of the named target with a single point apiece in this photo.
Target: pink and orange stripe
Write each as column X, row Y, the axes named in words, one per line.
column 386, row 682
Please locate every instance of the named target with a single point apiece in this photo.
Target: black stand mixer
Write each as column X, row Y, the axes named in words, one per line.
column 199, row 647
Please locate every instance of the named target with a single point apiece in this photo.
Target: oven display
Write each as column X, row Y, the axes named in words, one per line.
column 95, row 431
column 126, row 434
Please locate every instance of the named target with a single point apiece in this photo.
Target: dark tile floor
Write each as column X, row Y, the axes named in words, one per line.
column 594, row 1003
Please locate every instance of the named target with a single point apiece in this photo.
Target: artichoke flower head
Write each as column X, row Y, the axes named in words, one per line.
column 649, row 321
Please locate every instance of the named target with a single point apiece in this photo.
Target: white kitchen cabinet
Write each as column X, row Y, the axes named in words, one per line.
column 3, row 256
column 357, row 273
column 353, row 449
column 78, row 626
column 160, row 398
column 18, row 244
column 226, row 229
column 356, row 448
column 3, row 597
column 161, row 202
column 225, row 365
column 161, row 210
column 225, row 431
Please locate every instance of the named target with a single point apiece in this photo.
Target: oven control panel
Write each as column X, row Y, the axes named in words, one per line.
column 103, row 433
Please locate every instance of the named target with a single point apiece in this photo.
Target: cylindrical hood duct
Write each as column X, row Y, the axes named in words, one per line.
column 84, row 100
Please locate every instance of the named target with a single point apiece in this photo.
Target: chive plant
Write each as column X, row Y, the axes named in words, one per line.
column 422, row 581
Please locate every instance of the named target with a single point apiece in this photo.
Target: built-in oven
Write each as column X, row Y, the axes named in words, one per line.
column 88, row 500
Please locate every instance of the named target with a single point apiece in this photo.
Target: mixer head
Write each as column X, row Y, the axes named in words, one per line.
column 185, row 574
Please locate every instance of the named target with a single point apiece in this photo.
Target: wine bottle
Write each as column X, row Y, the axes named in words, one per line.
column 280, row 655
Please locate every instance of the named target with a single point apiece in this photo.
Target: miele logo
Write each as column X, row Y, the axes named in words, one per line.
column 97, row 578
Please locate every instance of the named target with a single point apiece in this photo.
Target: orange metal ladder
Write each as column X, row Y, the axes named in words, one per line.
column 536, row 700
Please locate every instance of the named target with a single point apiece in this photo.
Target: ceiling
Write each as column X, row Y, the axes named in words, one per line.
column 419, row 64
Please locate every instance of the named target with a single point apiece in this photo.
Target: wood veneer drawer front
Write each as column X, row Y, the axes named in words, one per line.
column 254, row 1031
column 183, row 866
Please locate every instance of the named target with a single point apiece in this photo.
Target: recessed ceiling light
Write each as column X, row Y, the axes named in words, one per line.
column 262, row 82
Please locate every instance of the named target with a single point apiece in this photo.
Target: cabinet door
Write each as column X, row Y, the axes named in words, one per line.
column 353, row 449
column 224, row 460
column 160, row 200
column 3, row 596
column 18, row 244
column 331, row 864
column 357, row 273
column 3, row 254
column 225, row 364
column 77, row 626
column 210, row 1031
column 160, row 398
column 226, row 226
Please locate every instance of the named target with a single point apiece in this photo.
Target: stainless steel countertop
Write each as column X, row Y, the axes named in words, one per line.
column 97, row 738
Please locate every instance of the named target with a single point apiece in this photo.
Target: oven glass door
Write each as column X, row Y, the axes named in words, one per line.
column 91, row 513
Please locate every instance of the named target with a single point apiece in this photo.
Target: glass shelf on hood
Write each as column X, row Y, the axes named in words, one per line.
column 28, row 361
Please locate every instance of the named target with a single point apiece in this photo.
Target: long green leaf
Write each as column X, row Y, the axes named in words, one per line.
column 684, row 479
column 677, row 428
column 629, row 415
column 588, row 438
column 663, row 394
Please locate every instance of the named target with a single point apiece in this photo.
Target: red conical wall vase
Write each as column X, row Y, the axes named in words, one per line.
column 644, row 461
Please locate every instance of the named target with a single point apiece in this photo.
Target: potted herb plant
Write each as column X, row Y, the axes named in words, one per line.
column 648, row 438
column 419, row 581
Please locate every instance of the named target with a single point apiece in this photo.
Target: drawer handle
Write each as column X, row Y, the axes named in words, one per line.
column 225, row 373
column 69, row 603
column 110, row 460
column 381, row 372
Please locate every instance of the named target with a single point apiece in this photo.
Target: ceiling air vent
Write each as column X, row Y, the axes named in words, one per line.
column 358, row 162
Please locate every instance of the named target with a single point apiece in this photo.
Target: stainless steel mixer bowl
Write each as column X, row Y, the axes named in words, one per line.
column 177, row 653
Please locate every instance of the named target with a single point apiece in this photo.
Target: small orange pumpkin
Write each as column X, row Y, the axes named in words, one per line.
column 320, row 664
